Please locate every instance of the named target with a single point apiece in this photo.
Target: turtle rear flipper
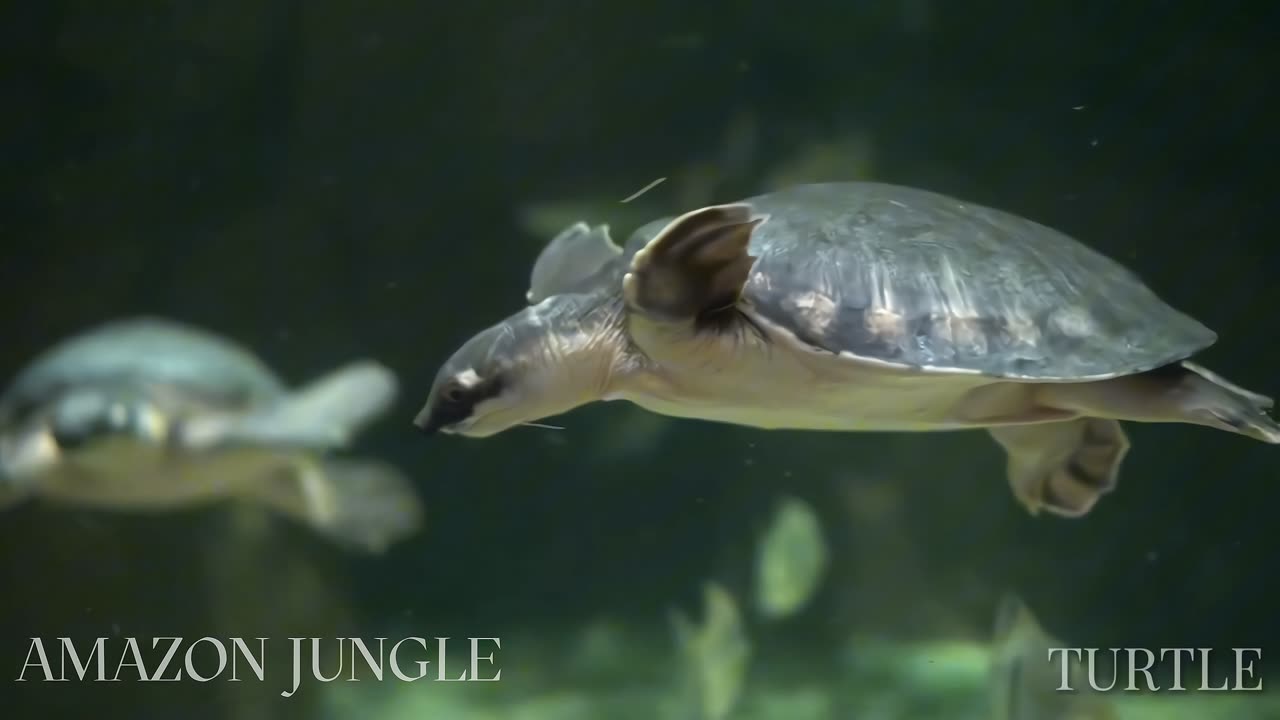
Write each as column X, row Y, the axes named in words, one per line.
column 362, row 505
column 323, row 414
column 1232, row 407
column 1181, row 393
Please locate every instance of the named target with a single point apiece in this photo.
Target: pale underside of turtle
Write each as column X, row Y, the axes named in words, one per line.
column 149, row 414
column 865, row 306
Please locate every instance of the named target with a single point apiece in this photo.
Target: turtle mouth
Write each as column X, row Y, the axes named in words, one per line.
column 428, row 425
column 461, row 428
column 439, row 420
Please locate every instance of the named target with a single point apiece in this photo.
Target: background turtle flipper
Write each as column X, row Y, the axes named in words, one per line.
column 359, row 504
column 697, row 264
column 323, row 414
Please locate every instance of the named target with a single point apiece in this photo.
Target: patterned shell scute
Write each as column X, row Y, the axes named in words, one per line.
column 145, row 350
column 927, row 281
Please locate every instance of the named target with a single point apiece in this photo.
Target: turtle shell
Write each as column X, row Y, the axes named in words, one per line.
column 921, row 280
column 149, row 351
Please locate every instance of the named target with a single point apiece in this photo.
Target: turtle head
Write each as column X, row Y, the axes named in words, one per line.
column 24, row 455
column 544, row 360
column 78, row 418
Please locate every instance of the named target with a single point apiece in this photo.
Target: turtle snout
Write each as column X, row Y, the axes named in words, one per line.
column 451, row 407
column 26, row 455
column 427, row 421
column 441, row 417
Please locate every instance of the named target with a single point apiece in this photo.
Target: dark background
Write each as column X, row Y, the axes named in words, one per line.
column 323, row 180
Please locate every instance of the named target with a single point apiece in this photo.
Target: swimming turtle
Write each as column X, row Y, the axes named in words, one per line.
column 150, row 414
column 854, row 306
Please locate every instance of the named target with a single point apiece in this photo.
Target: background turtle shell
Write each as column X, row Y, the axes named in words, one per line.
column 149, row 350
column 927, row 281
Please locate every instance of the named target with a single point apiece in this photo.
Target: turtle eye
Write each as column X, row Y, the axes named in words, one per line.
column 451, row 393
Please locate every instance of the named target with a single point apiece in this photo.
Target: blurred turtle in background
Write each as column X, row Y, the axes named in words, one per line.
column 854, row 306
column 1025, row 678
column 149, row 414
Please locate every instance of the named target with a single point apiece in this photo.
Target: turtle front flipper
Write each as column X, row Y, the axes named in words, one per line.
column 570, row 260
column 362, row 505
column 1063, row 467
column 324, row 414
column 697, row 264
